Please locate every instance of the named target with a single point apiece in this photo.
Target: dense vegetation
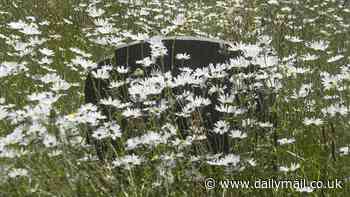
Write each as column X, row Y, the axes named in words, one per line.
column 301, row 48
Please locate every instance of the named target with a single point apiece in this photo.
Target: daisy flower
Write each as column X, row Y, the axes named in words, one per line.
column 127, row 161
column 286, row 141
column 102, row 73
column 3, row 112
column 94, row 12
column 265, row 124
column 252, row 162
column 293, row 39
column 129, row 112
column 145, row 62
column 330, row 81
column 344, row 150
column 221, row 127
column 50, row 141
column 17, row 172
column 228, row 160
column 335, row 109
column 225, row 108
column 122, row 69
column 314, row 121
column 182, row 56
column 30, row 30
column 320, row 45
column 309, row 57
column 237, row 134
column 335, row 58
column 100, row 133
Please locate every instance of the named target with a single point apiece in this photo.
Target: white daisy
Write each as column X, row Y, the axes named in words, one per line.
column 335, row 109
column 50, row 141
column 293, row 39
column 294, row 166
column 60, row 85
column 237, row 134
column 30, row 30
column 100, row 133
column 265, row 124
column 127, row 161
column 225, row 108
column 86, row 64
column 122, row 69
column 252, row 162
column 283, row 169
column 17, row 172
column 114, row 129
column 309, row 57
column 344, row 150
column 320, row 45
column 95, row 12
column 132, row 112
column 330, row 81
column 221, row 127
column 273, row 2
column 102, row 73
column 286, row 141
column 309, row 121
column 47, row 52
column 228, row 160
column 111, row 101
column 17, row 25
column 146, row 62
column 80, row 52
column 3, row 112
column 182, row 56
column 335, row 58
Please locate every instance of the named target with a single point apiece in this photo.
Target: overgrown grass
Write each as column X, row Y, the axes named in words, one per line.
column 301, row 132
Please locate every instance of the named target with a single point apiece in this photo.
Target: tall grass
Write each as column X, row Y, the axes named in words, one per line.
column 300, row 132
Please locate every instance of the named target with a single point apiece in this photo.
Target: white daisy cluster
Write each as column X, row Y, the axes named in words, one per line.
column 58, row 84
column 331, row 81
column 25, row 28
column 335, row 109
column 11, row 68
column 150, row 86
column 151, row 138
column 86, row 64
column 127, row 161
column 87, row 113
column 290, row 83
column 193, row 103
column 108, row 130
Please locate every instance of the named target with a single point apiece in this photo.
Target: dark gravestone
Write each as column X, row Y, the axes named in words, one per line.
column 202, row 52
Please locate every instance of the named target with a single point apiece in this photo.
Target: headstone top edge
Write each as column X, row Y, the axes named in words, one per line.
column 175, row 38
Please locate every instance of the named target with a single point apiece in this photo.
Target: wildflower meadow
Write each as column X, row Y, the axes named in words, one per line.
column 279, row 121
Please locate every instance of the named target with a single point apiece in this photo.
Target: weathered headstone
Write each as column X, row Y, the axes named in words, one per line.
column 202, row 52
